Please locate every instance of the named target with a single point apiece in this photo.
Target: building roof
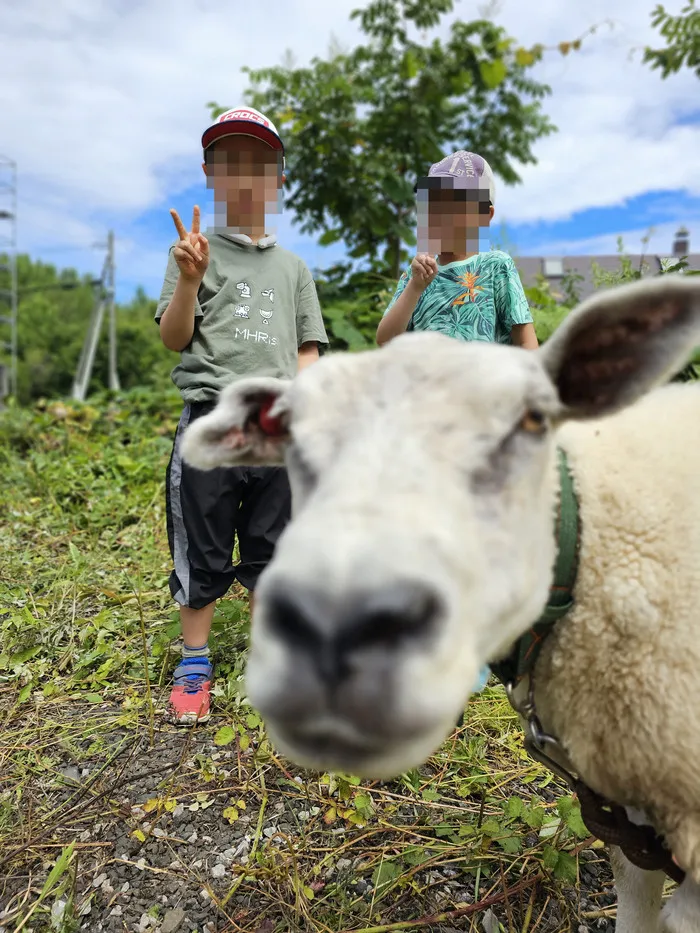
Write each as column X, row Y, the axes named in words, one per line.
column 555, row 268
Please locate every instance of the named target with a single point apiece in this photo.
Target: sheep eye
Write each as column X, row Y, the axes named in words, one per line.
column 533, row 422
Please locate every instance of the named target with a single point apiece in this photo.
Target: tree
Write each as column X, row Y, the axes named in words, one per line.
column 53, row 312
column 682, row 35
column 362, row 125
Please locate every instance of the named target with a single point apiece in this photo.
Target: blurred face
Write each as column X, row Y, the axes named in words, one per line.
column 246, row 177
column 450, row 220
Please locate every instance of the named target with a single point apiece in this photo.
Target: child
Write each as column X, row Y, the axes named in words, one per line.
column 233, row 304
column 466, row 293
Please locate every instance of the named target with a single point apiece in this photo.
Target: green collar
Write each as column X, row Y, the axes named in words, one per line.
column 568, row 531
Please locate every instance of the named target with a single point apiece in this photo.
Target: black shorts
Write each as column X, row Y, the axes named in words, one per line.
column 205, row 512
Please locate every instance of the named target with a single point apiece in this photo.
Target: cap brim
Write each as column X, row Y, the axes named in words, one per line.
column 241, row 128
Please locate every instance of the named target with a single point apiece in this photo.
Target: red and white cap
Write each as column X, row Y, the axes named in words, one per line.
column 243, row 121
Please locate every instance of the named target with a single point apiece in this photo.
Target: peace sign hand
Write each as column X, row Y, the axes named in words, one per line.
column 192, row 252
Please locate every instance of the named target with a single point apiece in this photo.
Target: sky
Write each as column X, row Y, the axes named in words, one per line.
column 103, row 103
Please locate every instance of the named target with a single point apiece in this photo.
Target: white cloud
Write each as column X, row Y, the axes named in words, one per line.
column 103, row 103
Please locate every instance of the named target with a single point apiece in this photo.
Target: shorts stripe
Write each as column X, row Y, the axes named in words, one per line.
column 180, row 539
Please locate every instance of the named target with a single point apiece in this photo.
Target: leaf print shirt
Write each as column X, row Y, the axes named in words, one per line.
column 479, row 298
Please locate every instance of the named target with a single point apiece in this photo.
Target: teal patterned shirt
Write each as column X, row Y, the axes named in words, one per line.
column 480, row 298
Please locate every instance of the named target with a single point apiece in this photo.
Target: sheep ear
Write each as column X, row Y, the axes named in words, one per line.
column 248, row 427
column 621, row 343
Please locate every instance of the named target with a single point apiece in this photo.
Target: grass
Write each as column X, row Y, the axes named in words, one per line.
column 92, row 783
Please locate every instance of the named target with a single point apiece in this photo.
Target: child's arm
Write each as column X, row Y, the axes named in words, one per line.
column 177, row 321
column 192, row 258
column 396, row 320
column 308, row 354
column 512, row 306
column 523, row 335
column 311, row 332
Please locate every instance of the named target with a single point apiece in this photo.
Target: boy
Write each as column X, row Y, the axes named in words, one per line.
column 233, row 304
column 467, row 294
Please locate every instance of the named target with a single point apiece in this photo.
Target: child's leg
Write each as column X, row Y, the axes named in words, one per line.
column 201, row 510
column 196, row 624
column 266, row 508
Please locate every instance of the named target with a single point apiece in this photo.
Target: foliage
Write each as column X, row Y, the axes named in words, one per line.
column 549, row 309
column 682, row 37
column 362, row 125
column 353, row 303
column 54, row 309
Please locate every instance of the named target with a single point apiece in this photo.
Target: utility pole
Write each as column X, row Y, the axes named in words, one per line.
column 8, row 296
column 113, row 371
column 104, row 301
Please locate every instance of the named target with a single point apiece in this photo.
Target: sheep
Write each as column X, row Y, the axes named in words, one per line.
column 422, row 546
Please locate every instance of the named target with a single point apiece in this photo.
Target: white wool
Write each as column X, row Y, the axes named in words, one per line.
column 619, row 679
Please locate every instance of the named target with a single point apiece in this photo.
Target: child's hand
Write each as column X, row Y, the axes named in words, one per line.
column 192, row 252
column 423, row 270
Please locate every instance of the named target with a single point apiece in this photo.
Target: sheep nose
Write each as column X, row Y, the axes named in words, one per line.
column 330, row 632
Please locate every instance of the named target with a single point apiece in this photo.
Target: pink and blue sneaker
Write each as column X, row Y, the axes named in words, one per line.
column 190, row 697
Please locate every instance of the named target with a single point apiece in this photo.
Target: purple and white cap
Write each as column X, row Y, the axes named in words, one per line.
column 466, row 170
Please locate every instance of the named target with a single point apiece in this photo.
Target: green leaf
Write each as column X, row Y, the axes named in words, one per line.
column 550, row 858
column 491, row 828
column 524, row 58
column 570, row 812
column 510, row 844
column 24, row 693
column 59, row 869
column 329, row 237
column 415, row 855
column 386, row 873
column 224, row 736
column 515, row 807
column 230, row 814
column 93, row 698
column 566, row 868
column 493, row 73
column 409, row 65
column 534, row 816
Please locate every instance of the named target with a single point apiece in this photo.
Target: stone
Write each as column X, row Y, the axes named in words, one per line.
column 218, row 871
column 70, row 772
column 172, row 920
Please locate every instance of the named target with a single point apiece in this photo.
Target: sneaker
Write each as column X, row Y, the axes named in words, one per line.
column 484, row 675
column 190, row 699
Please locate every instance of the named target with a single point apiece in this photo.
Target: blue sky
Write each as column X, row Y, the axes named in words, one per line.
column 104, row 103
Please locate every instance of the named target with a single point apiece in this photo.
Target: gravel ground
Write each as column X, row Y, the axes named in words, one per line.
column 189, row 836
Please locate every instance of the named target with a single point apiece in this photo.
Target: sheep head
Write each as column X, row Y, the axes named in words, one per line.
column 421, row 544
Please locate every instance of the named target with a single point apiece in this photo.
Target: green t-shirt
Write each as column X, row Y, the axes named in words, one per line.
column 254, row 309
column 480, row 298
